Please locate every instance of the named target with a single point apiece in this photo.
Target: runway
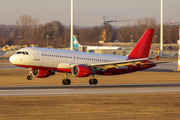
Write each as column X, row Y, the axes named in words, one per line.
column 97, row 89
column 89, row 89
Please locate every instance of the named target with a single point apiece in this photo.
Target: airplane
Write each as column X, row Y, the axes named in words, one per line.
column 77, row 46
column 44, row 62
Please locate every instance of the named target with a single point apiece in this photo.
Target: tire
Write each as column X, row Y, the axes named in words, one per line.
column 91, row 81
column 63, row 82
column 68, row 82
column 29, row 77
column 95, row 81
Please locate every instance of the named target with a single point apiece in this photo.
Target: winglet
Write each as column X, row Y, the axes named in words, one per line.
column 142, row 48
column 157, row 57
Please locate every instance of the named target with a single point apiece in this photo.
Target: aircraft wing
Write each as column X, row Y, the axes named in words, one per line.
column 112, row 64
column 116, row 64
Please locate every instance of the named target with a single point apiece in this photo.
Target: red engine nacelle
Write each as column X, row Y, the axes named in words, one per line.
column 41, row 73
column 81, row 71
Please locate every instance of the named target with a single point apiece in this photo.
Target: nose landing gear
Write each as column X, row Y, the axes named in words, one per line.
column 29, row 77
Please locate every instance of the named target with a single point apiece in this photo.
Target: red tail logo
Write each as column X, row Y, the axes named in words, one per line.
column 142, row 48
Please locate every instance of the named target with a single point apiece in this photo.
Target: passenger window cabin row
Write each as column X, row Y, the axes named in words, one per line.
column 56, row 56
column 80, row 58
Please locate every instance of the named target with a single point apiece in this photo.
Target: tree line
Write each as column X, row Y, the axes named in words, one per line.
column 29, row 31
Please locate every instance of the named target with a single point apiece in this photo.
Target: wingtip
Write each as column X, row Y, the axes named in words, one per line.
column 157, row 57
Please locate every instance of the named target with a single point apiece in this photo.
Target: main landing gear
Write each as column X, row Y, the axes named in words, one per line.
column 93, row 81
column 29, row 77
column 66, row 81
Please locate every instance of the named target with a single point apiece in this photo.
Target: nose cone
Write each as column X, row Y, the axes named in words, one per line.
column 13, row 59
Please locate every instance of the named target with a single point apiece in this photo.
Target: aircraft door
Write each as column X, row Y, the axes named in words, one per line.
column 36, row 55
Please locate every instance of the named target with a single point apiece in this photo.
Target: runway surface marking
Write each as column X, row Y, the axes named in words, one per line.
column 34, row 90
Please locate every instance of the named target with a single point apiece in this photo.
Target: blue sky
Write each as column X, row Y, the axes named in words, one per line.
column 87, row 12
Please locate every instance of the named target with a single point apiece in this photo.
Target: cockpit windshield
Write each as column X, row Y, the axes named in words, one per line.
column 18, row 53
column 22, row 52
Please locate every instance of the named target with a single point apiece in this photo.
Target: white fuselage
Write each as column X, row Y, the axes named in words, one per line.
column 55, row 58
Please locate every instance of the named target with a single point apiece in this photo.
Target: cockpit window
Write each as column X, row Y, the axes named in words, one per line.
column 22, row 52
column 18, row 53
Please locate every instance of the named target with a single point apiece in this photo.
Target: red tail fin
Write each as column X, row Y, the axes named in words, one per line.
column 141, row 50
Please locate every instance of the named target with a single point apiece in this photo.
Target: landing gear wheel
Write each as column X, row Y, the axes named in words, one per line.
column 93, row 81
column 29, row 77
column 66, row 82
